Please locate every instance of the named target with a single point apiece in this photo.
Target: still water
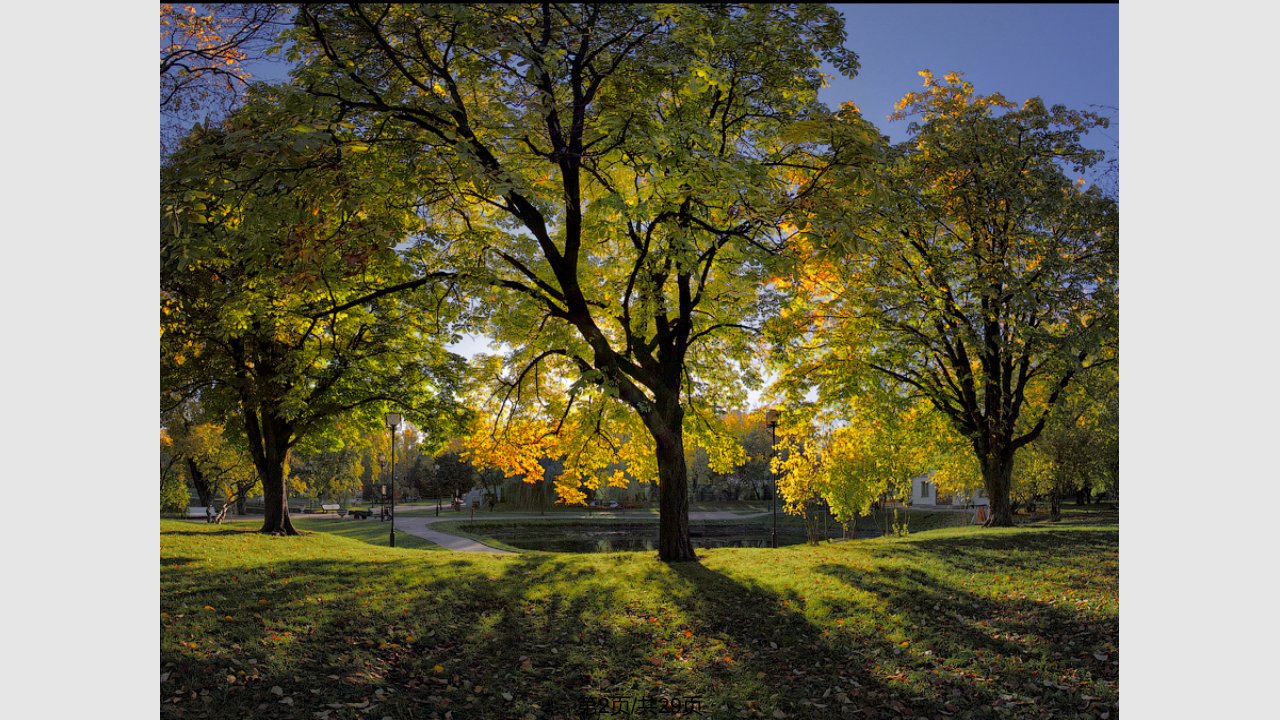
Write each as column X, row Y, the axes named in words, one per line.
column 615, row 537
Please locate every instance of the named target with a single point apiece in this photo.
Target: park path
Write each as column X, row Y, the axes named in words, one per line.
column 420, row 525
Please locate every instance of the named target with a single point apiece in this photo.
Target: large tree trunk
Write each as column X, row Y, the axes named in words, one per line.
column 201, row 483
column 997, row 476
column 674, row 544
column 275, row 497
column 269, row 446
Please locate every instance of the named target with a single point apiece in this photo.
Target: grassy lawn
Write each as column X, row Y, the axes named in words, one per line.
column 963, row 622
column 366, row 531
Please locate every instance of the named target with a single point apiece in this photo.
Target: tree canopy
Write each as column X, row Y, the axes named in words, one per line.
column 205, row 53
column 612, row 182
column 971, row 270
column 1079, row 451
column 268, row 224
column 634, row 203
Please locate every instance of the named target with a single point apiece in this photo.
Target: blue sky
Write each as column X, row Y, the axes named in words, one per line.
column 1063, row 53
column 1068, row 54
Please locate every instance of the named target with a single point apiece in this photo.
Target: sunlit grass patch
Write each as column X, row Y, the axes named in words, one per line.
column 952, row 623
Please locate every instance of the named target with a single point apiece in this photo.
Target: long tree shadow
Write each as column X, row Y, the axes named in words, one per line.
column 413, row 637
column 1018, row 649
column 206, row 533
column 1052, row 539
column 783, row 661
column 556, row 636
column 1001, row 633
column 1025, row 554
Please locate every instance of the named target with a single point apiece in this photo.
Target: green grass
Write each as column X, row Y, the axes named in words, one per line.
column 367, row 531
column 965, row 622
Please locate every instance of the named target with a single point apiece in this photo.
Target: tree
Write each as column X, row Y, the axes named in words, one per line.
column 850, row 456
column 204, row 49
column 370, row 469
column 207, row 456
column 491, row 480
column 756, row 439
column 735, row 472
column 232, row 473
column 1079, row 451
column 971, row 271
column 328, row 474
column 268, row 222
column 454, row 476
column 610, row 181
column 174, row 496
column 183, row 444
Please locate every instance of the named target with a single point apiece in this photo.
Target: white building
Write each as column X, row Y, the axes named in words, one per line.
column 924, row 493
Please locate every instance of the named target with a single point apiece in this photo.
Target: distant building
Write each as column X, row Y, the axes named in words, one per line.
column 924, row 493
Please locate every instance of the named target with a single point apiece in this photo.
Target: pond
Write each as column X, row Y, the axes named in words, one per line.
column 623, row 536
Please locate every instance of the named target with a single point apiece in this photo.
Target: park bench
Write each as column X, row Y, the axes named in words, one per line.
column 334, row 508
column 197, row 511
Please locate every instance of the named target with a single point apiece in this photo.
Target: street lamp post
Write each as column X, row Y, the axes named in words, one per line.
column 393, row 422
column 771, row 420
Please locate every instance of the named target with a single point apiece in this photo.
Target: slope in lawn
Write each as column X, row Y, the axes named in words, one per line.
column 955, row 623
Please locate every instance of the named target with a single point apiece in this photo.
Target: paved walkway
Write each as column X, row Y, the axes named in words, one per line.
column 420, row 525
